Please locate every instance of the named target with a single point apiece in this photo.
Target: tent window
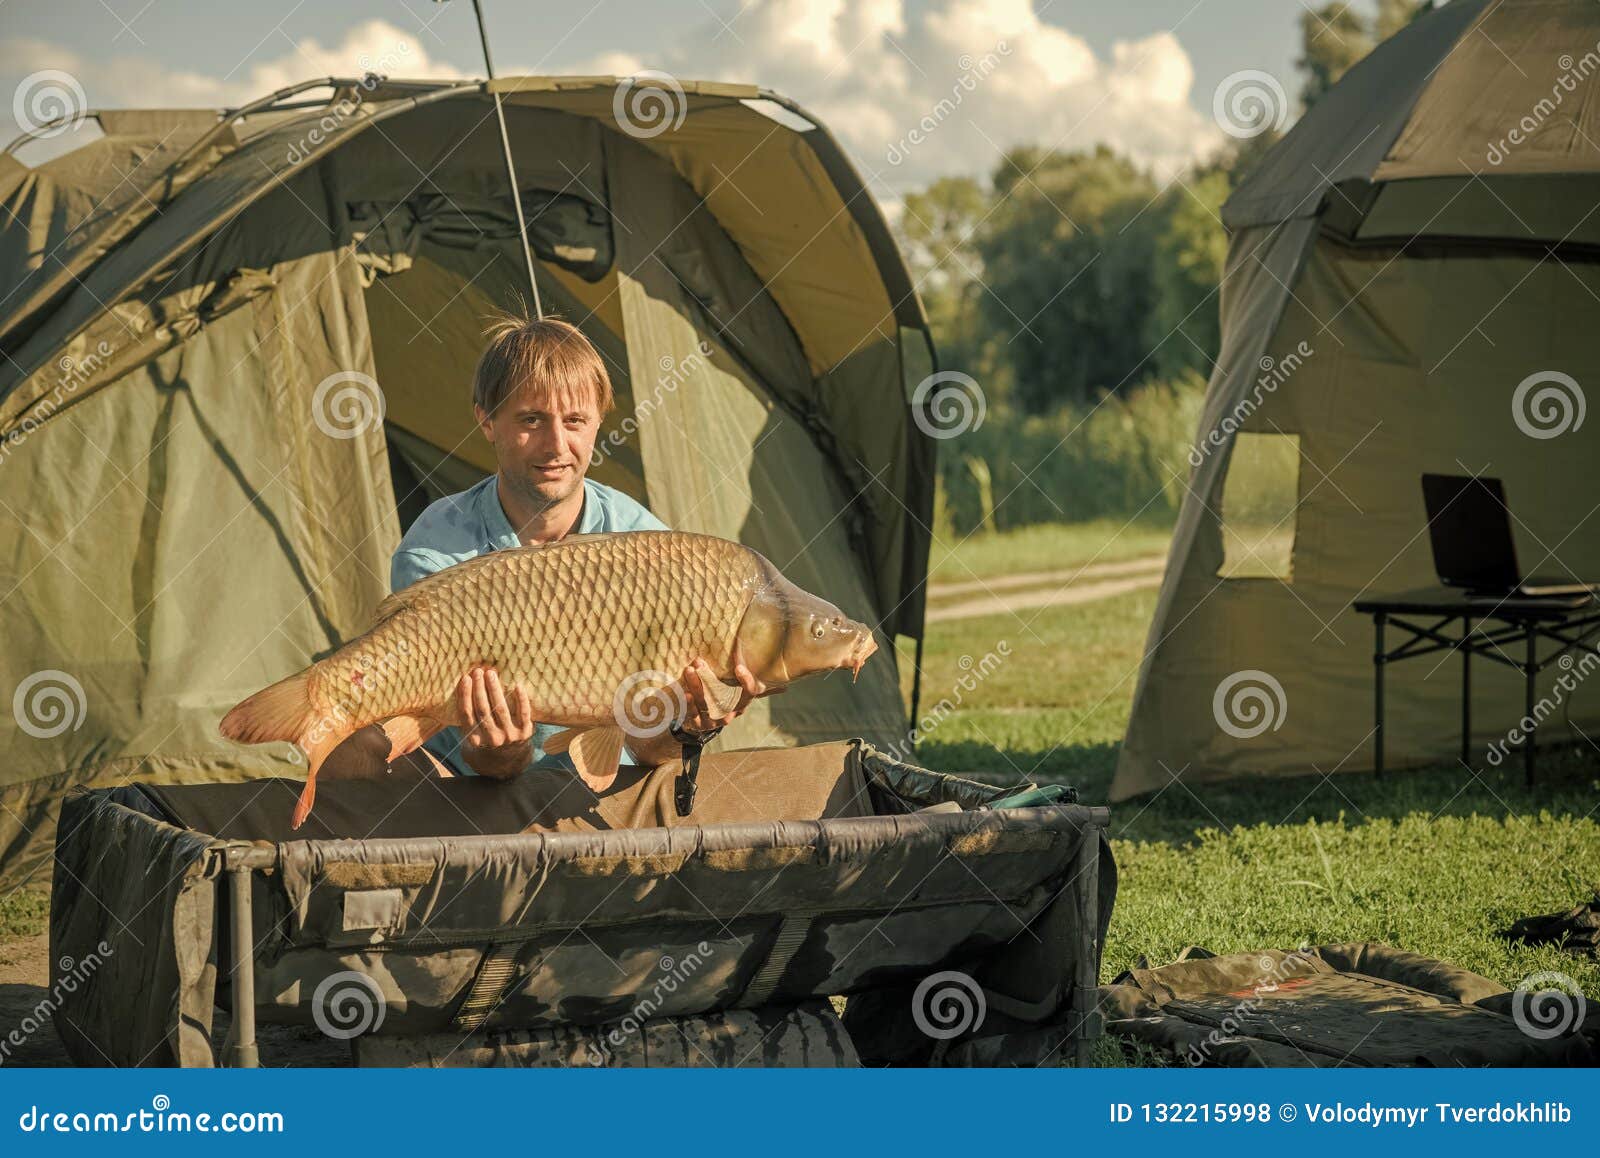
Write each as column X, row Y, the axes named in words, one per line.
column 565, row 230
column 1259, row 497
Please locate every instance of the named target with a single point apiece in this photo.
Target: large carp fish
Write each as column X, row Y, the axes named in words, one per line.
column 597, row 629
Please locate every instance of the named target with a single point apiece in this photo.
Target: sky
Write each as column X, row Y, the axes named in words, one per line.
column 915, row 89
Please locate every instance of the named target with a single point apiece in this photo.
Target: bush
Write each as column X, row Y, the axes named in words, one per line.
column 1126, row 457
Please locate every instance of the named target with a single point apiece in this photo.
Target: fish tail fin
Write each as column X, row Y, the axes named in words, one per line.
column 284, row 711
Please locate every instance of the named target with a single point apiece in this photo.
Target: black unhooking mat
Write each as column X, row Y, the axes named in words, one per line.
column 819, row 781
column 802, row 873
column 1359, row 1004
column 357, row 809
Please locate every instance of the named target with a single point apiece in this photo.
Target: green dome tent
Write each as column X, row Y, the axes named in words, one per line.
column 1422, row 243
column 237, row 359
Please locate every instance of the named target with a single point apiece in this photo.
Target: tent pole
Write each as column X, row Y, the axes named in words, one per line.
column 511, row 168
column 916, row 691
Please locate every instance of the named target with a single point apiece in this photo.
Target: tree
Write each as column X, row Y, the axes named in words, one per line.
column 1333, row 39
column 1184, row 331
column 1393, row 15
column 1068, row 272
column 936, row 228
column 1075, row 275
column 1236, row 158
column 937, row 231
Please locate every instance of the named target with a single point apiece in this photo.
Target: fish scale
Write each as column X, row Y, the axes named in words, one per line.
column 641, row 603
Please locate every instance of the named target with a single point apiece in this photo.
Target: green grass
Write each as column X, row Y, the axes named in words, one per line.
column 1046, row 547
column 25, row 912
column 1431, row 861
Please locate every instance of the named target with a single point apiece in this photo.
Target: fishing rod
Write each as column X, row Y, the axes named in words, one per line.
column 511, row 165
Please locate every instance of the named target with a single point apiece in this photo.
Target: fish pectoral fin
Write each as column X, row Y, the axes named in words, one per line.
column 724, row 697
column 560, row 741
column 408, row 733
column 595, row 752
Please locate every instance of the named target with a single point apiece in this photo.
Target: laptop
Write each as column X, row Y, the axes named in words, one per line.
column 1470, row 526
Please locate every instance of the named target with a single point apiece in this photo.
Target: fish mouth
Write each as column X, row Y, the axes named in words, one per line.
column 863, row 651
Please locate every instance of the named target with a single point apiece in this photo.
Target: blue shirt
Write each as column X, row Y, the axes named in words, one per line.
column 462, row 526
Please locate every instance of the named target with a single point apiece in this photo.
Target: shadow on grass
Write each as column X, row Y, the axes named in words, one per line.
column 1568, row 783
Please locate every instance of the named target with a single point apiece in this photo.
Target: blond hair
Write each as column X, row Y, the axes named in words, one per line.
column 546, row 356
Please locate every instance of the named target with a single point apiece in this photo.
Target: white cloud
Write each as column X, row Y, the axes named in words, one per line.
column 139, row 82
column 912, row 94
column 985, row 74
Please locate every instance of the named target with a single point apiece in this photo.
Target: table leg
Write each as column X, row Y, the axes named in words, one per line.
column 1377, row 707
column 1466, row 691
column 1533, row 675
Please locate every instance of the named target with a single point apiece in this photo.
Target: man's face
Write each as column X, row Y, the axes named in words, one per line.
column 543, row 443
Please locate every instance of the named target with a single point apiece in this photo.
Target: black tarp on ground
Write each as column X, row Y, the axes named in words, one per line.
column 1358, row 1004
column 1576, row 930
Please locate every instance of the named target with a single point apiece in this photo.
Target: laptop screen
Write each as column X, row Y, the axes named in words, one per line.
column 1470, row 528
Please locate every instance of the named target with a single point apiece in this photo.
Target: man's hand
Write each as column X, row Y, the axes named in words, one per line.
column 497, row 737
column 702, row 714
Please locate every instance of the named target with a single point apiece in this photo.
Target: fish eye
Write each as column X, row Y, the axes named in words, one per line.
column 816, row 630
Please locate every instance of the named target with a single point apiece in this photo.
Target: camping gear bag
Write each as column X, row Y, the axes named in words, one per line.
column 446, row 935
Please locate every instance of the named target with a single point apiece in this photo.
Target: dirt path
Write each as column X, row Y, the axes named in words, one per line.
column 24, row 981
column 1053, row 588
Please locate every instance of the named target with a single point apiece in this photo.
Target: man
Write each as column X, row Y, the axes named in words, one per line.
column 539, row 393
